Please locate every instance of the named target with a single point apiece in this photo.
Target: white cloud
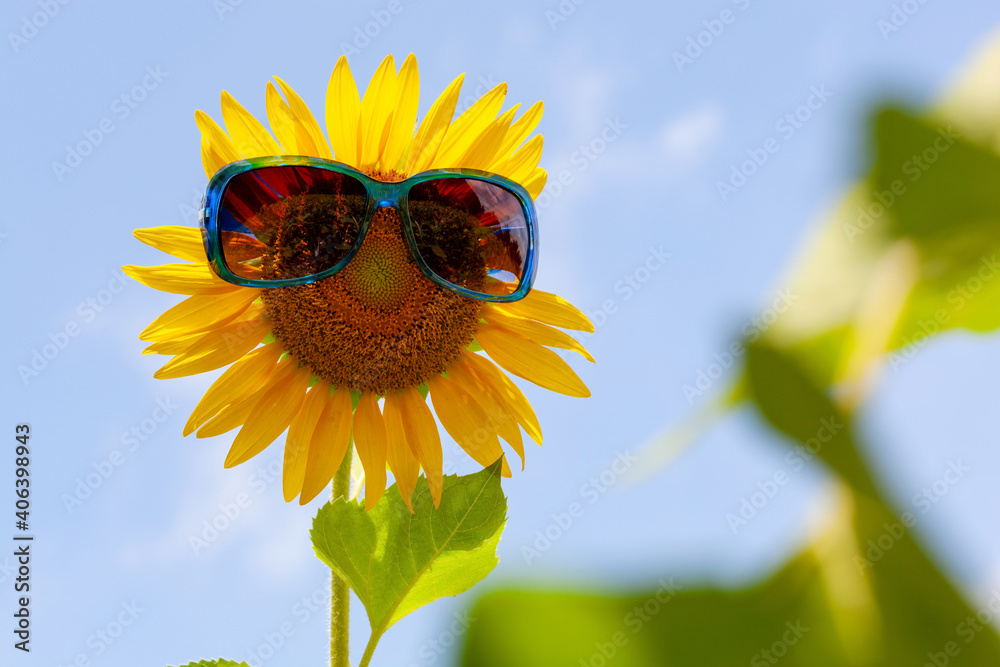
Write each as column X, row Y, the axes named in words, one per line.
column 687, row 139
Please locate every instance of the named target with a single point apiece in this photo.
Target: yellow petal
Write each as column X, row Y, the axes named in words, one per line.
column 269, row 418
column 550, row 309
column 405, row 115
column 505, row 388
column 329, row 443
column 181, row 242
column 184, row 343
column 466, row 129
column 497, row 413
column 230, row 417
column 535, row 331
column 343, row 113
column 401, row 460
column 211, row 159
column 199, row 313
column 305, row 120
column 530, row 361
column 178, row 345
column 216, row 349
column 369, row 437
column 236, row 413
column 424, row 439
column 433, row 128
column 243, row 378
column 521, row 165
column 483, row 150
column 376, row 112
column 300, row 433
column 293, row 138
column 249, row 136
column 220, row 142
column 519, row 131
column 466, row 422
column 535, row 183
column 187, row 279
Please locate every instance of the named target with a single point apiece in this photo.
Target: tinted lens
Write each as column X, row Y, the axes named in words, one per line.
column 470, row 232
column 278, row 223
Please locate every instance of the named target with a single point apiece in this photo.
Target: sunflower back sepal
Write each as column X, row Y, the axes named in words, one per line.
column 215, row 663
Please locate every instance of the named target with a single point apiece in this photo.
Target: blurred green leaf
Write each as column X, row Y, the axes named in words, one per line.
column 941, row 189
column 862, row 594
column 934, row 181
column 914, row 599
column 909, row 253
column 952, row 293
column 912, row 252
column 216, row 663
column 661, row 627
column 843, row 602
column 396, row 561
column 793, row 404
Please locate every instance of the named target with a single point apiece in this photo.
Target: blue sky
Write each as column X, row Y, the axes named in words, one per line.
column 642, row 139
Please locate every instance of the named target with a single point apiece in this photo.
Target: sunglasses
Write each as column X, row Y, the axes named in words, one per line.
column 283, row 221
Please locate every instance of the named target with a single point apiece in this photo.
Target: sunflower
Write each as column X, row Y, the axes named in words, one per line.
column 355, row 356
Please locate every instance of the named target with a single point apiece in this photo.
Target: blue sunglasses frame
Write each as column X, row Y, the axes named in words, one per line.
column 380, row 194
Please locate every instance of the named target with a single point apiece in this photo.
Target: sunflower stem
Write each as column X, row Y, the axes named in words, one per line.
column 340, row 593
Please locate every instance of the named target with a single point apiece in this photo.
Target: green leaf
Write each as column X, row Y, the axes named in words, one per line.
column 396, row 561
column 794, row 404
column 216, row 663
column 950, row 207
column 933, row 180
column 544, row 628
column 829, row 607
column 907, row 254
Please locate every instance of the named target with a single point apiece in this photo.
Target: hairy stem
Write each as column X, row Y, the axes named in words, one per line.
column 340, row 594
